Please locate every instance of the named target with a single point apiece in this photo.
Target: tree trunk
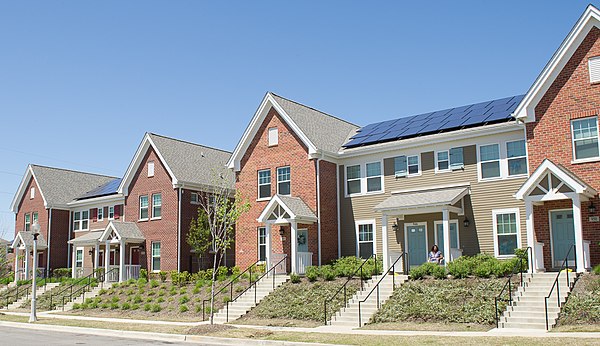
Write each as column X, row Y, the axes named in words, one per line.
column 212, row 289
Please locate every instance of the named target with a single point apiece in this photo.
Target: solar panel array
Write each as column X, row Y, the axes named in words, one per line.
column 103, row 190
column 452, row 119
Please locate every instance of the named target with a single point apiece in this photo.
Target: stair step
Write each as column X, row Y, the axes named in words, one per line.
column 522, row 325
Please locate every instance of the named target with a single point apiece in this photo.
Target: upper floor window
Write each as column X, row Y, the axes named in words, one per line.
column 370, row 181
column 264, row 183
column 585, row 138
column 406, row 165
column 100, row 214
column 32, row 193
column 594, row 69
column 273, row 136
column 448, row 160
column 374, row 176
column 506, row 229
column 156, row 206
column 353, row 179
column 34, row 217
column 413, row 164
column 81, row 220
column 517, row 157
column 489, row 157
column 111, row 212
column 194, row 198
column 143, row 207
column 150, row 168
column 283, row 180
column 27, row 222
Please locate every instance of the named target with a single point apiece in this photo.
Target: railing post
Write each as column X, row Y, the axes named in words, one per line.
column 546, row 307
column 359, row 316
column 509, row 291
column 203, row 310
column 496, row 310
column 325, row 309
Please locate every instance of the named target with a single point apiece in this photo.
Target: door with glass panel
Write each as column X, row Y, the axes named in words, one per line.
column 416, row 239
column 563, row 236
column 439, row 236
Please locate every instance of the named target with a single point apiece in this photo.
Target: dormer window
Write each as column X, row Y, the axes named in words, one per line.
column 273, row 136
column 150, row 169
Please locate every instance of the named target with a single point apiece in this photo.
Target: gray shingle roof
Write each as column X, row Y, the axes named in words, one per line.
column 4, row 242
column 61, row 186
column 298, row 207
column 325, row 131
column 27, row 238
column 194, row 163
column 87, row 239
column 429, row 198
column 128, row 230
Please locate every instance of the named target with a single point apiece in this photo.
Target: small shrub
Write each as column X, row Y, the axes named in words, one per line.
column 156, row 308
column 125, row 306
column 147, row 307
column 596, row 270
column 143, row 274
column 295, row 278
column 76, row 306
column 226, row 299
column 183, row 290
column 102, row 292
column 163, row 276
column 484, row 269
column 222, row 273
column 161, row 292
column 425, row 269
column 328, row 273
column 135, row 307
column 154, row 283
column 235, row 271
column 312, row 273
column 459, row 269
column 114, row 306
column 149, row 299
column 439, row 272
column 183, row 308
column 196, row 290
column 137, row 299
column 114, row 299
column 184, row 299
column 160, row 300
column 151, row 293
column 141, row 282
column 346, row 266
column 104, row 306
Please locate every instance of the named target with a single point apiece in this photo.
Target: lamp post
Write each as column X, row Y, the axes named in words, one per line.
column 35, row 229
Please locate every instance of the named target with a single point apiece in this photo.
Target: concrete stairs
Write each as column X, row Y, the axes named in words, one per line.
column 528, row 310
column 80, row 299
column 245, row 302
column 40, row 290
column 348, row 316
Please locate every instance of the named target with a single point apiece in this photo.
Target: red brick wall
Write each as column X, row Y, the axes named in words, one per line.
column 29, row 206
column 165, row 229
column 329, row 235
column 59, row 238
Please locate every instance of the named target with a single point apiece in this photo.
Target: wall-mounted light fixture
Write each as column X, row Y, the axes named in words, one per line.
column 281, row 231
column 466, row 223
column 91, row 252
column 592, row 208
column 395, row 226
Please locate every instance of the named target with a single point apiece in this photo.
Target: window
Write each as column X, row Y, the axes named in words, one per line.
column 156, row 206
column 439, row 235
column 143, row 207
column 443, row 161
column 79, row 258
column 262, row 244
column 374, row 176
column 400, row 169
column 413, row 164
column 353, row 179
column 27, row 222
column 111, row 213
column 594, row 69
column 283, row 180
column 81, row 220
column 366, row 243
column 517, row 157
column 489, row 156
column 34, row 218
column 32, row 193
column 155, row 256
column 448, row 160
column 585, row 138
column 150, row 168
column 506, row 226
column 194, row 198
column 100, row 214
column 273, row 136
column 264, row 183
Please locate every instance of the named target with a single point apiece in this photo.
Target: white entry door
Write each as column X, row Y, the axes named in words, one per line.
column 302, row 240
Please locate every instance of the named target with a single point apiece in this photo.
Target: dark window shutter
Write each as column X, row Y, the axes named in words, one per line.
column 117, row 212
column 94, row 213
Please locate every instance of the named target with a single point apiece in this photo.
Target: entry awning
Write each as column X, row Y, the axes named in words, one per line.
column 283, row 209
column 118, row 230
column 88, row 239
column 24, row 239
column 424, row 201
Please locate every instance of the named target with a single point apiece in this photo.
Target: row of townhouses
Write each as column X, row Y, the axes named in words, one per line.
column 516, row 172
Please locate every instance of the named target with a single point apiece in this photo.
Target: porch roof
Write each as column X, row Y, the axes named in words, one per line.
column 417, row 202
column 127, row 231
column 24, row 238
column 294, row 208
column 4, row 242
column 91, row 238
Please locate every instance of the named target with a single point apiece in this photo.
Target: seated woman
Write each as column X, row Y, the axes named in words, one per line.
column 435, row 255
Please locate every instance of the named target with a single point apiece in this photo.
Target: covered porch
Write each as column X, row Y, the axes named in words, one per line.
column 283, row 211
column 560, row 218
column 23, row 252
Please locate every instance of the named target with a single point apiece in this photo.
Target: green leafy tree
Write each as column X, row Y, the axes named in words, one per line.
column 4, row 265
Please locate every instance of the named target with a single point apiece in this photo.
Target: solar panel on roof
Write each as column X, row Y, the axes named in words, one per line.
column 107, row 189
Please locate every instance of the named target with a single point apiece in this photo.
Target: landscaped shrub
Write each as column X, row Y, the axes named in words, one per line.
column 76, row 306
column 327, row 273
column 346, row 266
column 183, row 308
column 154, row 283
column 312, row 273
column 184, row 299
column 235, row 271
column 125, row 306
column 439, row 272
column 596, row 270
column 141, row 282
column 484, row 269
column 295, row 278
column 147, row 307
column 163, row 276
column 426, row 269
column 222, row 273
column 459, row 269
column 144, row 274
column 156, row 308
column 61, row 273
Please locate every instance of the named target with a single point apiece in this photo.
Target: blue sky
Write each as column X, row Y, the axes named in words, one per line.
column 81, row 82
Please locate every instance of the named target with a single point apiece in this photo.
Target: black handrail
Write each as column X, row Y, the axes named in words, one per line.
column 87, row 287
column 27, row 287
column 230, row 285
column 565, row 267
column 70, row 287
column 519, row 266
column 386, row 272
column 360, row 268
column 254, row 285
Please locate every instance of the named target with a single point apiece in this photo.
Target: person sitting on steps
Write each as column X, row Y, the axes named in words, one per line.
column 435, row 255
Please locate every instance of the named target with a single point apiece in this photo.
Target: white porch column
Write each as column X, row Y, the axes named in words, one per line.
column 294, row 245
column 384, row 243
column 530, row 236
column 122, row 261
column 96, row 258
column 106, row 259
column 579, row 255
column 16, row 264
column 73, row 264
column 27, row 263
column 269, row 246
column 446, row 230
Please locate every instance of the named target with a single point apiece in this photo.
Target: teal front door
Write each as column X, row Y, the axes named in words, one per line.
column 563, row 236
column 439, row 229
column 416, row 237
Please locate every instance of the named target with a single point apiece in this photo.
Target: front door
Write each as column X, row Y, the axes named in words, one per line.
column 416, row 238
column 302, row 240
column 563, row 236
column 135, row 256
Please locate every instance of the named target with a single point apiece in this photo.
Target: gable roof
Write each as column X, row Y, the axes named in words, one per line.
column 187, row 163
column 24, row 238
column 295, row 207
column 589, row 19
column 127, row 231
column 319, row 131
column 57, row 186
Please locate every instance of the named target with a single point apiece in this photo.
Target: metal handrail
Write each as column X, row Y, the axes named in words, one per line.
column 254, row 285
column 230, row 285
column 565, row 267
column 393, row 268
column 16, row 295
column 360, row 268
column 70, row 287
column 101, row 279
column 518, row 265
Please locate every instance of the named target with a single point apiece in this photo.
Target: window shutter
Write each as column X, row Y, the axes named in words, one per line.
column 94, row 213
column 117, row 212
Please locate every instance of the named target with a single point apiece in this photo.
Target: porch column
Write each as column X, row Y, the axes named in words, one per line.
column 384, row 243
column 106, row 259
column 269, row 246
column 73, row 264
column 16, row 264
column 122, row 261
column 294, row 245
column 446, row 230
column 96, row 258
column 579, row 255
column 531, row 259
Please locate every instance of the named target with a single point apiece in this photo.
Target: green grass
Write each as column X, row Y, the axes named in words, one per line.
column 583, row 306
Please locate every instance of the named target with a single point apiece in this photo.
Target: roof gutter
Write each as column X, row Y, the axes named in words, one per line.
column 49, row 241
column 179, row 229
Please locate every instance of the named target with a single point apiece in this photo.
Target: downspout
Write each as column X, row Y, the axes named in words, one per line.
column 319, row 207
column 179, row 231
column 49, row 237
column 69, row 244
column 339, row 226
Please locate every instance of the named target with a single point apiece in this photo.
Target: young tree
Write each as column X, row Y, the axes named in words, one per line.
column 215, row 226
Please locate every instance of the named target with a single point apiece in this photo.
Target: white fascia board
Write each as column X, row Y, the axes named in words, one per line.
column 526, row 109
column 20, row 194
column 97, row 201
column 549, row 166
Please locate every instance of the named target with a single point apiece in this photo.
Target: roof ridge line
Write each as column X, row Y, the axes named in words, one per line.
column 74, row 171
column 188, row 142
column 316, row 110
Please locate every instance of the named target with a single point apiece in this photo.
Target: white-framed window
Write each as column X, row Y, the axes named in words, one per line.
column 100, row 213
column 585, row 138
column 406, row 166
column 32, row 193
column 34, row 217
column 264, row 183
column 507, row 236
column 155, row 256
column 400, row 168
column 365, row 233
column 156, row 206
column 489, row 161
column 273, row 136
column 144, row 207
column 150, row 168
column 262, row 244
column 81, row 220
column 353, row 180
column 413, row 164
column 111, row 212
column 27, row 222
column 449, row 160
column 443, row 161
column 454, row 234
column 79, row 257
column 516, row 155
column 284, row 180
column 374, row 176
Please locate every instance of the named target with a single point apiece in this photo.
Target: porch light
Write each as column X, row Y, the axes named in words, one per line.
column 592, row 208
column 466, row 223
column 281, row 231
column 395, row 226
column 91, row 252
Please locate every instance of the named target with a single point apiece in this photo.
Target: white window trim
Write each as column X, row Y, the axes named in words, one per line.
column 27, row 223
column 358, row 223
column 156, row 217
column 380, row 176
column 354, row 179
column 100, row 211
column 495, row 212
column 259, row 244
column 258, row 184
column 500, row 156
column 517, row 157
column 152, row 256
column 277, row 178
column 363, row 179
column 435, row 237
column 113, row 212
column 587, row 159
column 140, row 208
column 197, row 198
column 151, row 167
column 32, row 192
column 408, row 224
column 77, row 249
column 408, row 174
column 437, row 170
column 81, row 219
column 276, row 138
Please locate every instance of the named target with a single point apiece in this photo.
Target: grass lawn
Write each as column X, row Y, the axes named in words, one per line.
column 299, row 304
column 429, row 326
column 581, row 313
